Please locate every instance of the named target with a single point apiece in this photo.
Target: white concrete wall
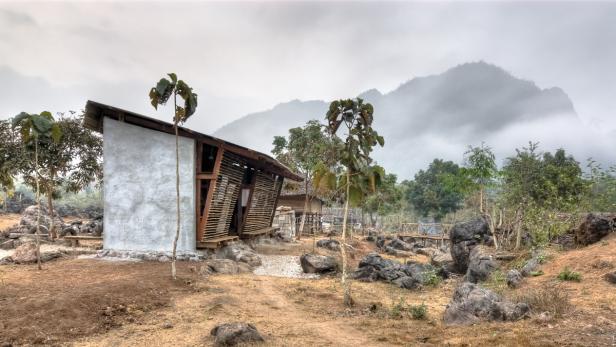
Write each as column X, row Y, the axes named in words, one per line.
column 139, row 189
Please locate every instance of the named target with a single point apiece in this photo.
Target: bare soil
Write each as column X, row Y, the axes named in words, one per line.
column 88, row 302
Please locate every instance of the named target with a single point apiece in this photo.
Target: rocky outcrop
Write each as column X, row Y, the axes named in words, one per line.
column 481, row 264
column 411, row 275
column 472, row 303
column 235, row 334
column 464, row 237
column 330, row 244
column 594, row 228
column 314, row 263
column 441, row 259
column 27, row 223
column 239, row 251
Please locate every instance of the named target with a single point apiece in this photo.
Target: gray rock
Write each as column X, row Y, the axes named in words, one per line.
column 427, row 251
column 531, row 265
column 8, row 244
column 464, row 237
column 481, row 264
column 514, row 278
column 233, row 334
column 314, row 263
column 332, row 245
column 441, row 259
column 373, row 267
column 472, row 303
column 164, row 259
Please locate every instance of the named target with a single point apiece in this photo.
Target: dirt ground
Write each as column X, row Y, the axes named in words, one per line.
column 90, row 302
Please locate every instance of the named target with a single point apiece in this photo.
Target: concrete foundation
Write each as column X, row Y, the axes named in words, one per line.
column 140, row 191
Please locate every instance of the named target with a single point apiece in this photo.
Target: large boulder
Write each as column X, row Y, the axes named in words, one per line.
column 472, row 303
column 464, row 237
column 314, row 263
column 239, row 251
column 27, row 223
column 332, row 245
column 480, row 265
column 594, row 228
column 234, row 334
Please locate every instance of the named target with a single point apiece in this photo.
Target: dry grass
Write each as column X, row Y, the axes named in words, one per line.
column 552, row 299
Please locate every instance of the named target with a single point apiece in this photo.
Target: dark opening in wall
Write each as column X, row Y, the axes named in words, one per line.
column 208, row 157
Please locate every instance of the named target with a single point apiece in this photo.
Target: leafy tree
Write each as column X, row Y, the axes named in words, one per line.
column 159, row 95
column 481, row 169
column 385, row 200
column 34, row 130
column 68, row 165
column 602, row 190
column 537, row 185
column 304, row 150
column 438, row 190
column 9, row 150
column 360, row 139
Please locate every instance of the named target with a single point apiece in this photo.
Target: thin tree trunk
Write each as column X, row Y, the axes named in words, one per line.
column 177, row 190
column 518, row 237
column 52, row 230
column 38, row 203
column 303, row 222
column 345, row 285
column 481, row 199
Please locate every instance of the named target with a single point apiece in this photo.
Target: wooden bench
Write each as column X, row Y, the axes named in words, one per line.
column 216, row 242
column 75, row 239
column 255, row 233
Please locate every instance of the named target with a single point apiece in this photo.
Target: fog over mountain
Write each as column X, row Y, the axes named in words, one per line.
column 439, row 115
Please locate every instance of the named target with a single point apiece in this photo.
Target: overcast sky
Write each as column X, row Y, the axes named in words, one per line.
column 247, row 57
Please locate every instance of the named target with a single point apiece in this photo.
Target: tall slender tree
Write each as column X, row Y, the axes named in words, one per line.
column 159, row 95
column 36, row 129
column 359, row 140
column 481, row 168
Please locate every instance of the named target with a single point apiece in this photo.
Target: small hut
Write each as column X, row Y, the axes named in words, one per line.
column 296, row 202
column 227, row 191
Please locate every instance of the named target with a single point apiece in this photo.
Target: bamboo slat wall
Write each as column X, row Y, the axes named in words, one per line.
column 225, row 197
column 263, row 202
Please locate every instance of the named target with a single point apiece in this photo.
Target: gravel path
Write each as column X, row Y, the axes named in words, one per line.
column 281, row 266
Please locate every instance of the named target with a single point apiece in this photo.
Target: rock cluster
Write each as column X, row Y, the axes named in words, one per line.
column 224, row 266
column 150, row 256
column 411, row 275
column 481, row 264
column 471, row 304
column 26, row 254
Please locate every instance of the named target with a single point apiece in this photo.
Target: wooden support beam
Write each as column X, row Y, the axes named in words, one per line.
column 210, row 194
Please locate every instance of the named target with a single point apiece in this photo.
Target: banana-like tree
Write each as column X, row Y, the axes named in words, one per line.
column 37, row 130
column 159, row 95
column 359, row 176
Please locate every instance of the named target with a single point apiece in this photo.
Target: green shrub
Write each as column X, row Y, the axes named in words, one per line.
column 536, row 273
column 398, row 308
column 568, row 275
column 431, row 278
column 418, row 311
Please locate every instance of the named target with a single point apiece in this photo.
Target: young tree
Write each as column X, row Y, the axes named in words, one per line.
column 71, row 164
column 304, row 150
column 481, row 167
column 159, row 95
column 36, row 129
column 385, row 200
column 359, row 141
column 438, row 190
